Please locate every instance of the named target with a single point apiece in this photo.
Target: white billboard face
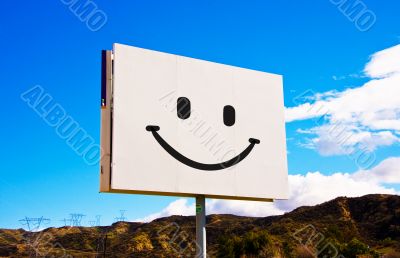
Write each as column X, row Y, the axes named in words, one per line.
column 183, row 126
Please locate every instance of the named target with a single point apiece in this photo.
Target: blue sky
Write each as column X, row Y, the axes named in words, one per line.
column 311, row 43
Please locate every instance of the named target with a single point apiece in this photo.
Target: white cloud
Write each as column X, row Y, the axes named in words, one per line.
column 243, row 208
column 342, row 77
column 309, row 189
column 340, row 139
column 388, row 171
column 338, row 78
column 178, row 207
column 384, row 63
column 368, row 115
column 314, row 188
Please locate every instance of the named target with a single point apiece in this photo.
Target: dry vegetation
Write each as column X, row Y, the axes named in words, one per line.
column 368, row 226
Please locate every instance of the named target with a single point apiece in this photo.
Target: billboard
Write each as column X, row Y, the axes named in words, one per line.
column 174, row 125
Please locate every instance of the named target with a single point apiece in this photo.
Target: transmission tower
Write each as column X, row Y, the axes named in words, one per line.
column 121, row 217
column 95, row 222
column 98, row 220
column 33, row 224
column 76, row 219
column 67, row 222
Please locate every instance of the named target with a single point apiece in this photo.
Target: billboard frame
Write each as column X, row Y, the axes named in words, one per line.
column 106, row 141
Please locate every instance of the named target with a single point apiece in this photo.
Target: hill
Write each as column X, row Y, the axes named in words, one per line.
column 344, row 227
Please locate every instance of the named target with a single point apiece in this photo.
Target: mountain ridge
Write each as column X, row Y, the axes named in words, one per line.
column 367, row 226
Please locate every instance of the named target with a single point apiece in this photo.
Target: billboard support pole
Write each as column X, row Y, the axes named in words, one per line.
column 201, row 226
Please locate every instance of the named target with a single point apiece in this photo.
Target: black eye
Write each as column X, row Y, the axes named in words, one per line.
column 229, row 115
column 183, row 107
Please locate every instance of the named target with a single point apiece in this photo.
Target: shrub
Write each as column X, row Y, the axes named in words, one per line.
column 252, row 243
column 355, row 247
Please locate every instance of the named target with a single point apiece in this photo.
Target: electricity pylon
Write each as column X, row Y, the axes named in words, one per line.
column 122, row 217
column 34, row 224
column 76, row 219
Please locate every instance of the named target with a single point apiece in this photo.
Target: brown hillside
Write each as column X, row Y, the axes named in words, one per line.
column 367, row 226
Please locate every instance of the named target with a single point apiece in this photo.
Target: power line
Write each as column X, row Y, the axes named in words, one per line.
column 67, row 222
column 121, row 217
column 98, row 220
column 34, row 224
column 76, row 219
column 95, row 222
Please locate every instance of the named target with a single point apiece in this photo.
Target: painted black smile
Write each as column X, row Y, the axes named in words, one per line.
column 191, row 163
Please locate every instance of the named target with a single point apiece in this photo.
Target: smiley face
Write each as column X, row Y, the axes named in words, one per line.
column 183, row 112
